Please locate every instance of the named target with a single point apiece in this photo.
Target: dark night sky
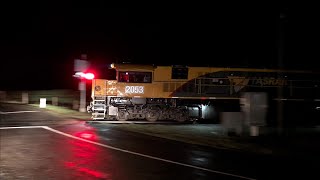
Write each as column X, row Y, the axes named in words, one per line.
column 40, row 41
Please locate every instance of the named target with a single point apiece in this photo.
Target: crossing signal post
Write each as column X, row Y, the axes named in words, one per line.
column 81, row 68
column 82, row 89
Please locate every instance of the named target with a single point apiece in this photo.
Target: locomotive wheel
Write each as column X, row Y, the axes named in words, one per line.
column 152, row 116
column 122, row 116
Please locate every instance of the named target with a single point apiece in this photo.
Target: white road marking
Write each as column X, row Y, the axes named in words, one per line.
column 22, row 127
column 130, row 152
column 17, row 112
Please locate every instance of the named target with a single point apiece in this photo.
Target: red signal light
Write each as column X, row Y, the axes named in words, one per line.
column 88, row 76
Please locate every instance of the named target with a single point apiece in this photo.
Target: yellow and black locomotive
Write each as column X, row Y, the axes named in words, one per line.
column 181, row 92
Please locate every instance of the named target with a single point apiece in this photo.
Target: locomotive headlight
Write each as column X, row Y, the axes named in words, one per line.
column 203, row 107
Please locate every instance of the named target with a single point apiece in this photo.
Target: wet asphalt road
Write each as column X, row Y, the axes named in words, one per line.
column 56, row 149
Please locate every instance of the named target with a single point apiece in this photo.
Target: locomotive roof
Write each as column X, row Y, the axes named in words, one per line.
column 133, row 67
column 144, row 67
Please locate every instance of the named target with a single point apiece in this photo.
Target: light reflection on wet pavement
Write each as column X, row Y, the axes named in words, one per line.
column 41, row 154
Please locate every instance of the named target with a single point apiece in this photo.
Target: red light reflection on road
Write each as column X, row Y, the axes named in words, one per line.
column 89, row 135
column 83, row 158
column 86, row 135
column 87, row 171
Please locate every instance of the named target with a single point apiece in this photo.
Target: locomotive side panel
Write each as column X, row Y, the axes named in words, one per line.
column 164, row 91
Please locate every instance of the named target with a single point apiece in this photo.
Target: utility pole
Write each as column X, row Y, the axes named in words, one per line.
column 280, row 75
